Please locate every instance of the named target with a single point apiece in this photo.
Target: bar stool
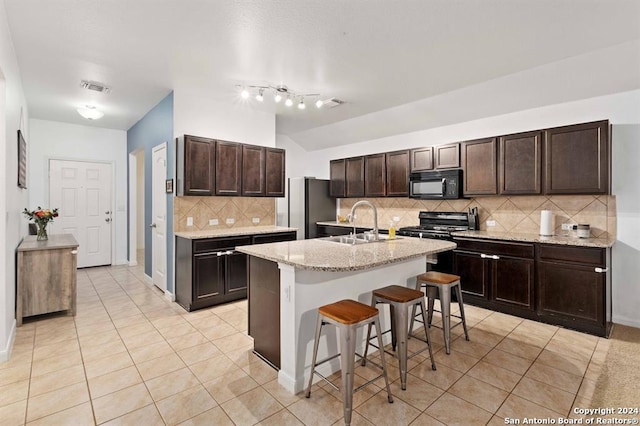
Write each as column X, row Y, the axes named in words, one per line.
column 441, row 285
column 348, row 316
column 400, row 299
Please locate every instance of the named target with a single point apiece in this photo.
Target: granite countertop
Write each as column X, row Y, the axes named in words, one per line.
column 350, row 225
column 232, row 232
column 322, row 255
column 535, row 238
column 55, row 241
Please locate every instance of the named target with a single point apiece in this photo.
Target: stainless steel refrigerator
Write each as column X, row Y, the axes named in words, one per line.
column 309, row 202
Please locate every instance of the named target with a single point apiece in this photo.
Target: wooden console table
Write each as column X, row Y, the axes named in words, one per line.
column 46, row 276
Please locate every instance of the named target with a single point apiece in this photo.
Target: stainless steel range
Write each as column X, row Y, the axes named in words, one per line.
column 440, row 225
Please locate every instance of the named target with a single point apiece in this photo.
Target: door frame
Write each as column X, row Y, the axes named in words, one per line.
column 133, row 205
column 114, row 215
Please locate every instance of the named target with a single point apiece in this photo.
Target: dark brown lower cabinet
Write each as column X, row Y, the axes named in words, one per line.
column 209, row 271
column 496, row 273
column 574, row 288
column 562, row 285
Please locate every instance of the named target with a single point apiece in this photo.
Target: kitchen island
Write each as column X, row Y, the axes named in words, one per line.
column 288, row 281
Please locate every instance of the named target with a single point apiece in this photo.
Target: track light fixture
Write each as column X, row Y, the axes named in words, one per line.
column 279, row 93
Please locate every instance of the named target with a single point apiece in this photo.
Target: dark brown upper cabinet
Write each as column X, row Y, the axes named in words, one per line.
column 398, row 173
column 480, row 167
column 577, row 159
column 253, row 167
column 228, row 168
column 447, row 156
column 422, row 159
column 337, row 173
column 520, row 163
column 274, row 172
column 354, row 172
column 199, row 165
column 375, row 175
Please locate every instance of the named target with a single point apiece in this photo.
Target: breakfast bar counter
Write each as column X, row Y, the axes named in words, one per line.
column 288, row 281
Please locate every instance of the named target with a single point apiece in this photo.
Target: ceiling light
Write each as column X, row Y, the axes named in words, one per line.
column 90, row 112
column 281, row 92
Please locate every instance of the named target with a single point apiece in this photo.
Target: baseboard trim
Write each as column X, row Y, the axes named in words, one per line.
column 5, row 354
column 133, row 263
column 170, row 296
column 148, row 279
column 627, row 321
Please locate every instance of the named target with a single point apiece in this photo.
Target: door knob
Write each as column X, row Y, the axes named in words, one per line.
column 107, row 220
column 153, row 225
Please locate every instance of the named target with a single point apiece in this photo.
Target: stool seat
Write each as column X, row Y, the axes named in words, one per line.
column 397, row 293
column 438, row 277
column 348, row 311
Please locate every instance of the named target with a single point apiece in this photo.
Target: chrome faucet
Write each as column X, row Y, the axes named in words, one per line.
column 375, row 217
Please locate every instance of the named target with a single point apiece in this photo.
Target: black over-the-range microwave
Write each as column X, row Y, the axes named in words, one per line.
column 436, row 185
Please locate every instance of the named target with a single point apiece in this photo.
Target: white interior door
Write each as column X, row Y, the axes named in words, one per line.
column 159, row 217
column 81, row 190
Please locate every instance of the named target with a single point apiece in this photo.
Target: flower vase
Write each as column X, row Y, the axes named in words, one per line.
column 42, row 232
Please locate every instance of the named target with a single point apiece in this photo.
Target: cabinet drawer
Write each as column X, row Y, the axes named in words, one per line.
column 496, row 247
column 212, row 244
column 274, row 238
column 584, row 255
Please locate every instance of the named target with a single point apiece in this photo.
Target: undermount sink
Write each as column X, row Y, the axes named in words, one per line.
column 356, row 239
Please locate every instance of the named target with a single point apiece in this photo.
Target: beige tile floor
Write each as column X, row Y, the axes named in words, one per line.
column 130, row 357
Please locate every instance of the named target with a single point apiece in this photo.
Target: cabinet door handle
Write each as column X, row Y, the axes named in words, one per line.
column 74, row 251
column 228, row 252
column 601, row 270
column 484, row 256
column 220, row 253
column 494, row 257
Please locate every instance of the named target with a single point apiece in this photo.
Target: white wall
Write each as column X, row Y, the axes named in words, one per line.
column 13, row 226
column 196, row 114
column 293, row 168
column 623, row 111
column 62, row 141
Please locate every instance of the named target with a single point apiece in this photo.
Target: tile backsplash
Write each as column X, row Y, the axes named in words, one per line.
column 241, row 210
column 511, row 214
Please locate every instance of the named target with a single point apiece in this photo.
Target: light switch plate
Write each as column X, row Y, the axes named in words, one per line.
column 213, row 222
column 396, row 218
column 255, row 220
column 189, row 221
column 566, row 226
column 491, row 223
column 230, row 221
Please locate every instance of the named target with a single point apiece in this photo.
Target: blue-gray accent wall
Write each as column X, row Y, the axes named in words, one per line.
column 153, row 129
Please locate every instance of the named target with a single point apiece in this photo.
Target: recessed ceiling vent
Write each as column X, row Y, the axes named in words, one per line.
column 95, row 86
column 332, row 103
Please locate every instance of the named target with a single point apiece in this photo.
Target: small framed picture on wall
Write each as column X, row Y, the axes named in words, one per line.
column 22, row 161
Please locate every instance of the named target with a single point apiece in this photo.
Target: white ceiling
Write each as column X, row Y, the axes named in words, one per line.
column 375, row 55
